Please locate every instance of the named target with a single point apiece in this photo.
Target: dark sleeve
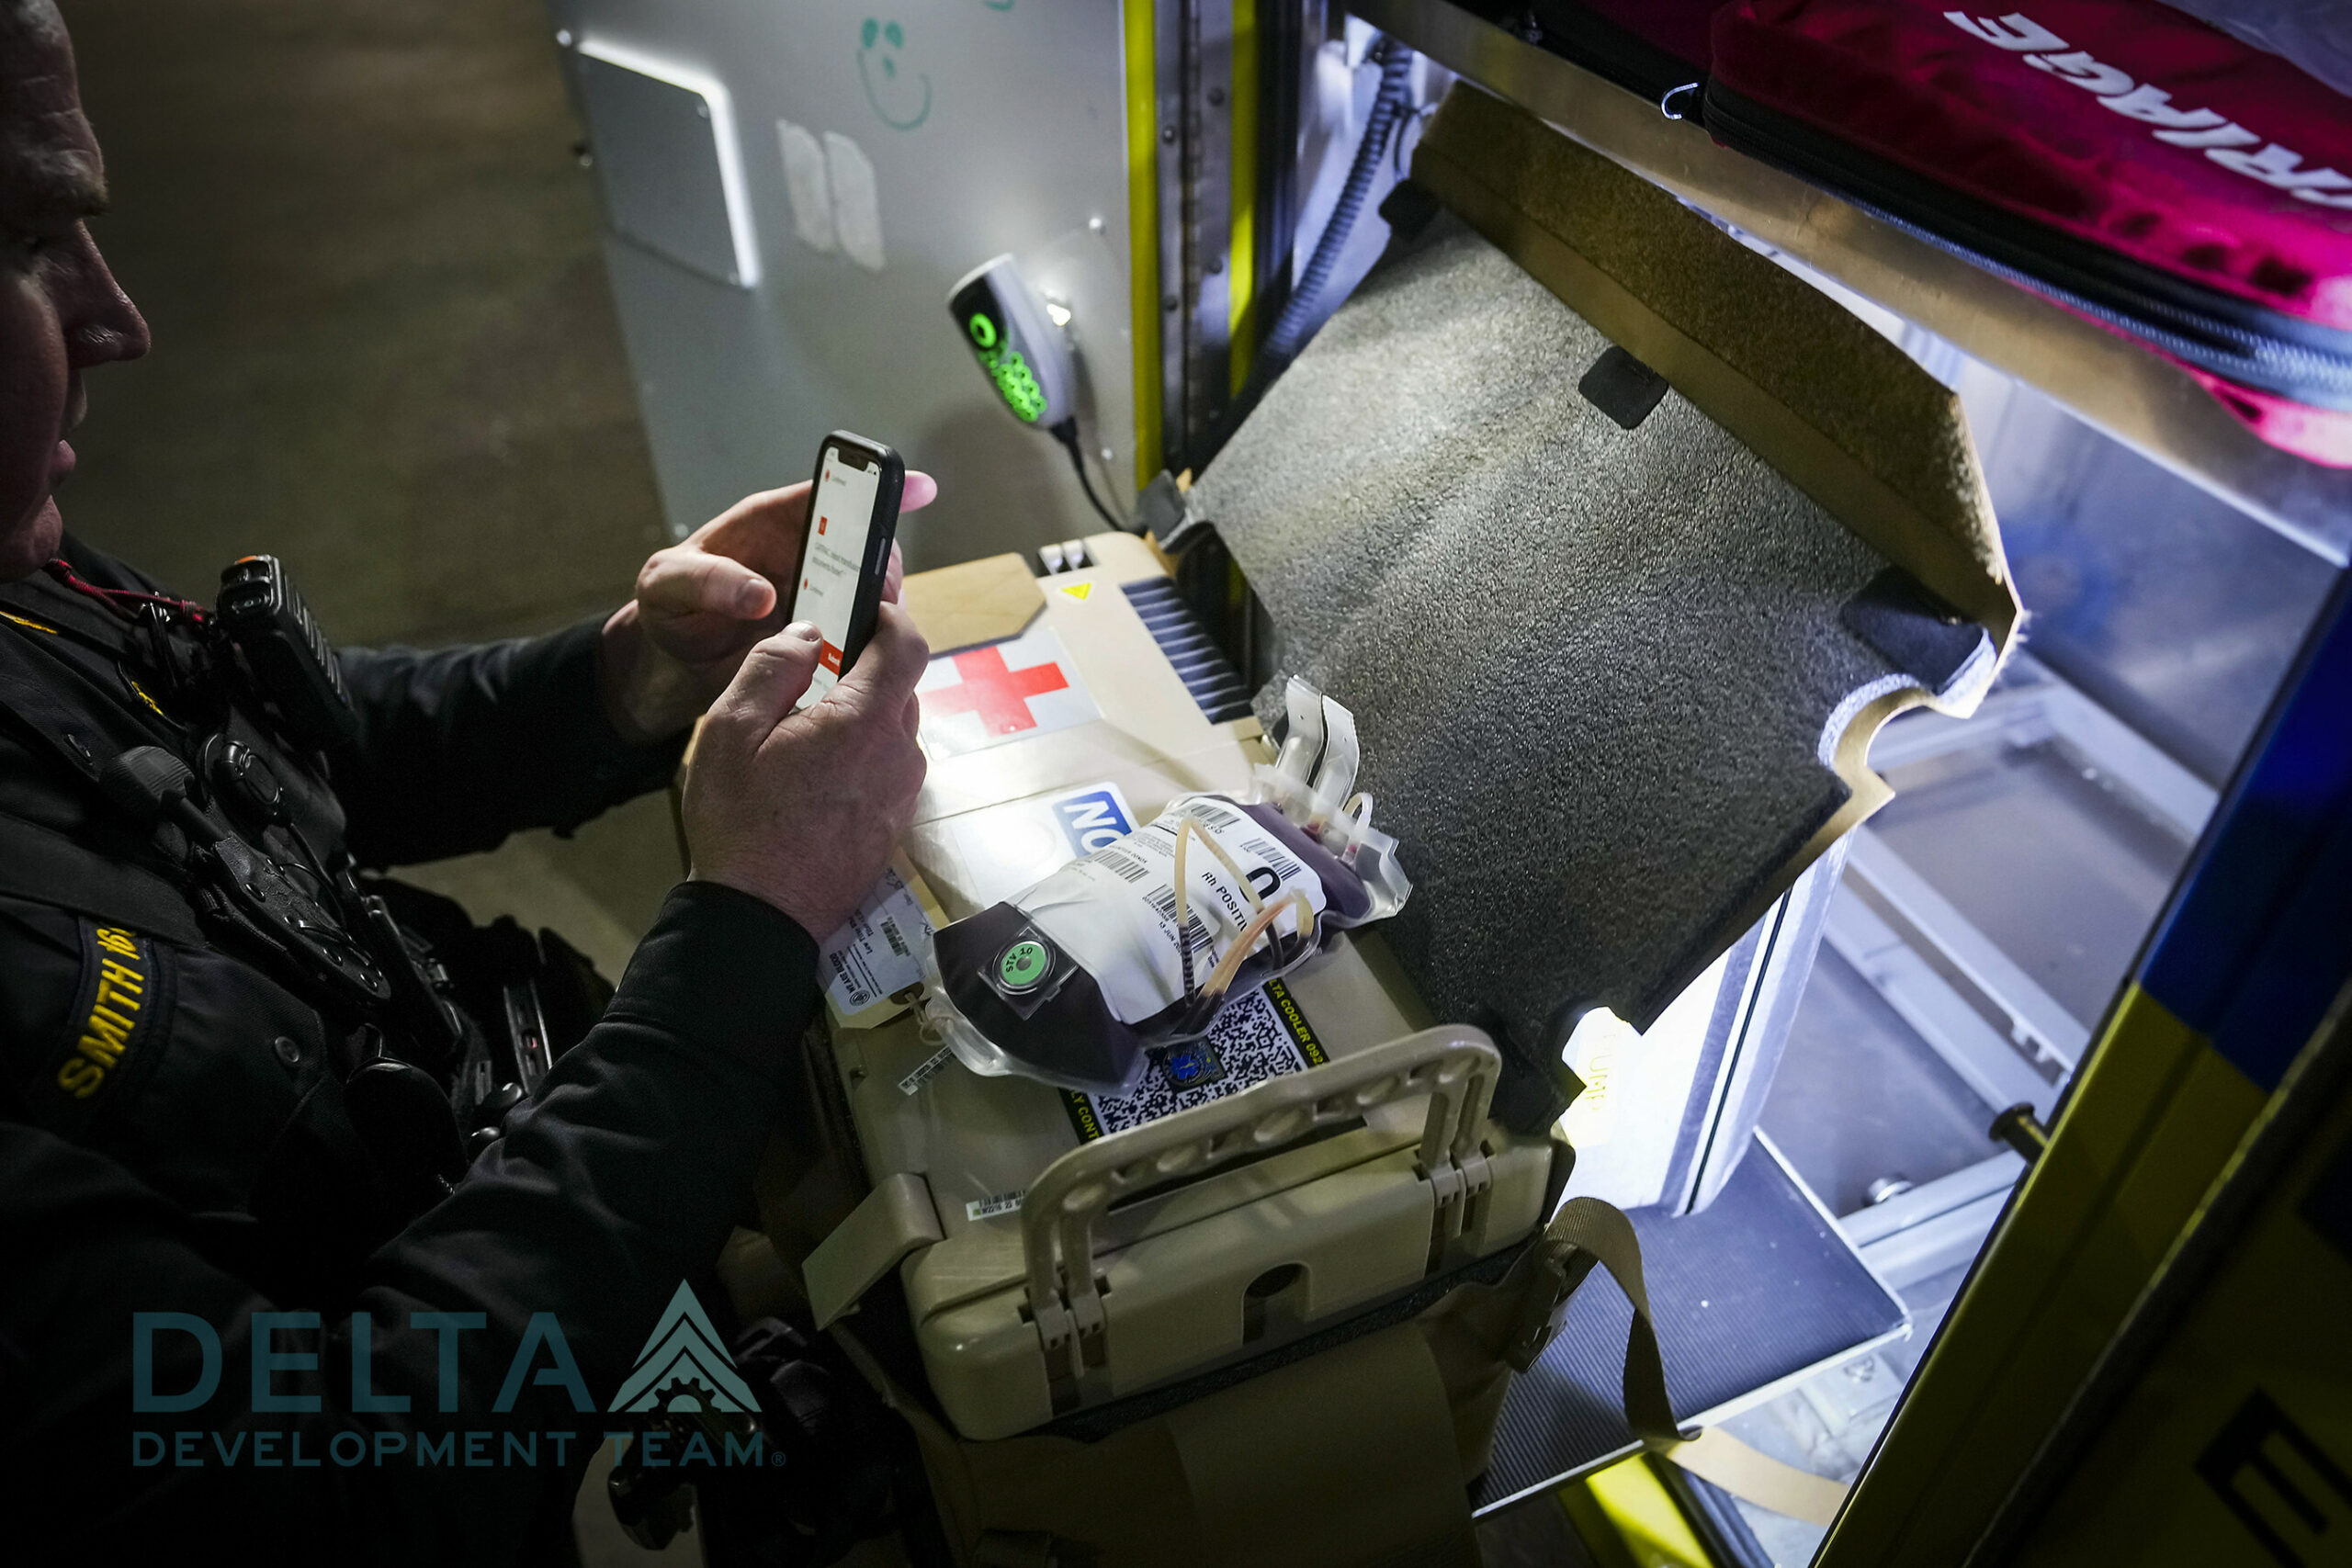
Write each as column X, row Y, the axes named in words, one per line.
column 621, row 1180
column 460, row 747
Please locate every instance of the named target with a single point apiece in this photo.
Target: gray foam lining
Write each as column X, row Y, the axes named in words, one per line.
column 1591, row 667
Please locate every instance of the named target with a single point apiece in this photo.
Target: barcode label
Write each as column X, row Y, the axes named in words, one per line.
column 1284, row 867
column 1128, row 867
column 928, row 1071
column 990, row 1207
column 1214, row 816
column 871, row 958
column 1164, row 900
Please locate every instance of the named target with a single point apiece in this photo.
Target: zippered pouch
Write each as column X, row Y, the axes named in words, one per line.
column 2126, row 159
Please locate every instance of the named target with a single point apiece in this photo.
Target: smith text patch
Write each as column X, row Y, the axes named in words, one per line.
column 118, row 997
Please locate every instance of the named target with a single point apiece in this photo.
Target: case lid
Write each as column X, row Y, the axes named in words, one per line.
column 1616, row 649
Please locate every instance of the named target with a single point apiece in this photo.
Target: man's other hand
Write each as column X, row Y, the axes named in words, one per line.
column 802, row 809
column 703, row 602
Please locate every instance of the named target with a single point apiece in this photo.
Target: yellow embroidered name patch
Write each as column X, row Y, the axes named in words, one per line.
column 119, row 1000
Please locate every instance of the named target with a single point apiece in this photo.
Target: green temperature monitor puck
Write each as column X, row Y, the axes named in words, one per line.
column 1024, row 965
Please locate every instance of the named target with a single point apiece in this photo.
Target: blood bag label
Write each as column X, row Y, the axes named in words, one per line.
column 1258, row 1036
column 1115, row 912
column 873, row 956
column 1000, row 852
column 990, row 1207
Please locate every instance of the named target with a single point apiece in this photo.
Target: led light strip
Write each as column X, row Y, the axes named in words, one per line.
column 722, row 131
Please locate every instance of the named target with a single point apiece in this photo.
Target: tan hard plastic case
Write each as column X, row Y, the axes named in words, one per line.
column 1341, row 1221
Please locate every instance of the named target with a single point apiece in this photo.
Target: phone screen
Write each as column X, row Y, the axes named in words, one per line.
column 841, row 514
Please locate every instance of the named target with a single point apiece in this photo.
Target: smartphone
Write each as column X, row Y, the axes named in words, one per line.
column 845, row 551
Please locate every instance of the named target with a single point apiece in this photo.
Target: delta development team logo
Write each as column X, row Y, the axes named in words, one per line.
column 685, row 1367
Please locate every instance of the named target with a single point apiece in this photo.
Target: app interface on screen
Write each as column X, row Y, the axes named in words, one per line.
column 839, row 515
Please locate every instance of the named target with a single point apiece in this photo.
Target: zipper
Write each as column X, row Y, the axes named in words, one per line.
column 2251, row 344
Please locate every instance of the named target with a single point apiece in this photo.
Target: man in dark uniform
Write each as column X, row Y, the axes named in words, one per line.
column 235, row 1092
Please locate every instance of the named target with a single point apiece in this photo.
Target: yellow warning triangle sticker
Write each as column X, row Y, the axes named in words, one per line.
column 1078, row 590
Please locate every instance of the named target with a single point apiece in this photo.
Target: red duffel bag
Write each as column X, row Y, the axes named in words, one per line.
column 1655, row 48
column 2124, row 159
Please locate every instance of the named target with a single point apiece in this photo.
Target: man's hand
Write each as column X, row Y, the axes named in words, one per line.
column 802, row 808
column 703, row 602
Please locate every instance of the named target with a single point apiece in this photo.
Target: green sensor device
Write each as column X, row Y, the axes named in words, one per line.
column 1026, row 356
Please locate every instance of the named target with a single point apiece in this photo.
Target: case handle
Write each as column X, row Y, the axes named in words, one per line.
column 1456, row 1067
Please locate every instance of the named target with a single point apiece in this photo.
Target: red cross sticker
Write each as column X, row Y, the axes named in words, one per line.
column 999, row 698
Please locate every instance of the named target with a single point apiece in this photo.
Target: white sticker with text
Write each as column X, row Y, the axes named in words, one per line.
column 990, row 1208
column 874, row 958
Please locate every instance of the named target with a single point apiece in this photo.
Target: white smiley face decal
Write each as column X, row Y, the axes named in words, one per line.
column 901, row 97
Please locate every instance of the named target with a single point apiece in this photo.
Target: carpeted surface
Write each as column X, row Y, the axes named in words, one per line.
column 1591, row 667
column 1797, row 346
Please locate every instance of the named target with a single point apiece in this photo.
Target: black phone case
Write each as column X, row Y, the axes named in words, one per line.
column 879, row 536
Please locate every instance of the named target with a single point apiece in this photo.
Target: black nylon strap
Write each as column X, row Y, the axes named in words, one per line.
column 1584, row 1232
column 81, row 738
column 45, row 867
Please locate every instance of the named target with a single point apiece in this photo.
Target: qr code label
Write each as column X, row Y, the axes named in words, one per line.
column 1257, row 1037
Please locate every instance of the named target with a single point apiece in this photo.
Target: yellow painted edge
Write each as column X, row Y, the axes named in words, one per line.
column 1642, row 1513
column 1138, row 20
column 2270, row 1318
column 1242, row 262
column 21, row 621
column 2156, row 1116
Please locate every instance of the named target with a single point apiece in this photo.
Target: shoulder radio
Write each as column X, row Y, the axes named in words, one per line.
column 290, row 657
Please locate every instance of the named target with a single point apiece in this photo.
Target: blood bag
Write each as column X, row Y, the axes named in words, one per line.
column 1138, row 945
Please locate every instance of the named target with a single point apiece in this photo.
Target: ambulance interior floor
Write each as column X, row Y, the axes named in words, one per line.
column 1829, row 1423
column 1859, row 1099
column 2040, row 842
column 1826, row 1425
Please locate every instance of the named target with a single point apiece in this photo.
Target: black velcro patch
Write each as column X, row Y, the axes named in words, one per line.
column 1911, row 628
column 1622, row 387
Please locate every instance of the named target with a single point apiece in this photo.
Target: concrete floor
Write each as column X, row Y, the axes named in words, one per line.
column 385, row 350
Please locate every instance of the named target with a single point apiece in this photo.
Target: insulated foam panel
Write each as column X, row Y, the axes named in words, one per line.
column 1600, row 672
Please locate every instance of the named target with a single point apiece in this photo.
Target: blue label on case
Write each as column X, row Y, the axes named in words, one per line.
column 1092, row 819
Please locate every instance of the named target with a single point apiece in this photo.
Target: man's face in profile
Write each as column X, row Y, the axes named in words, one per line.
column 61, row 312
